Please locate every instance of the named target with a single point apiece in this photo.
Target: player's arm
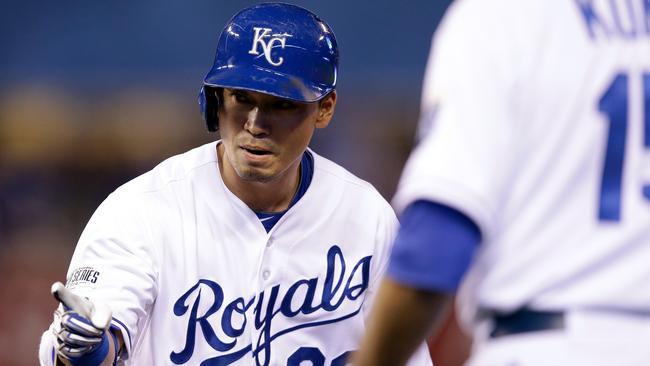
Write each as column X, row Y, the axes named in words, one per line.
column 115, row 263
column 432, row 251
column 397, row 328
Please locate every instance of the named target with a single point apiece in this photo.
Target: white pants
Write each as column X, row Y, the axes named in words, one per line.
column 590, row 338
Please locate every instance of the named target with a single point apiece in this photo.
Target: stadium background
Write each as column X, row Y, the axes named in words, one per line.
column 95, row 93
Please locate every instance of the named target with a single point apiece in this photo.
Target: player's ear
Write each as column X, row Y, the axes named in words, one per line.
column 326, row 110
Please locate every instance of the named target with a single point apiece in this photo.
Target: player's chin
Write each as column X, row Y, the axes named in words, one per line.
column 256, row 171
column 256, row 175
column 259, row 168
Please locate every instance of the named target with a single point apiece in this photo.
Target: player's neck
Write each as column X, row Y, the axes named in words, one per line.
column 271, row 196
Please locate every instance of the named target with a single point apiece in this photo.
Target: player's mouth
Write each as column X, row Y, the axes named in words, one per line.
column 255, row 152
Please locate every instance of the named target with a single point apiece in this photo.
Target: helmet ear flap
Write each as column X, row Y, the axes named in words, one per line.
column 209, row 105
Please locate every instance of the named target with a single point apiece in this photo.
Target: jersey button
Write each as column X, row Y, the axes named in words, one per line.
column 266, row 274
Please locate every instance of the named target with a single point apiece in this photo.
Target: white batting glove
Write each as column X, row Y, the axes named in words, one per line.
column 80, row 328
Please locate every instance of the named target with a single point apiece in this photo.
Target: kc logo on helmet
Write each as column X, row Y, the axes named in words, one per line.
column 264, row 38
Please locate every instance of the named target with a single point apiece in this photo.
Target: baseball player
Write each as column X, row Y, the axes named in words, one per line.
column 533, row 171
column 251, row 250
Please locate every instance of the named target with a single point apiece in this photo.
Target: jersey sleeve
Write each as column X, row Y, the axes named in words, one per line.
column 387, row 227
column 46, row 348
column 115, row 263
column 465, row 151
column 386, row 230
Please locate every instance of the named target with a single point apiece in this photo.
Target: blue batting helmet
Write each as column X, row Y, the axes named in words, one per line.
column 273, row 48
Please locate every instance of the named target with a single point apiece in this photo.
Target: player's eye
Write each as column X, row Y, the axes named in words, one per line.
column 284, row 104
column 240, row 98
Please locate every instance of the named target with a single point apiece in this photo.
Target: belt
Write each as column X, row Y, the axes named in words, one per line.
column 524, row 320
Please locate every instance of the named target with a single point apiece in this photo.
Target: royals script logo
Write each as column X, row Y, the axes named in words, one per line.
column 223, row 321
column 264, row 38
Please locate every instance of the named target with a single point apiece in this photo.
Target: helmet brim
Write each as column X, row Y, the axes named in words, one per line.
column 262, row 80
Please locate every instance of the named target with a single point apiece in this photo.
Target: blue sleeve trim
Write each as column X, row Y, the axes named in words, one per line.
column 434, row 247
column 128, row 334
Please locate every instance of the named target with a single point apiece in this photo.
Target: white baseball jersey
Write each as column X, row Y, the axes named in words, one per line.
column 193, row 277
column 536, row 124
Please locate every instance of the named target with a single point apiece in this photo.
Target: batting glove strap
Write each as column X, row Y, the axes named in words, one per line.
column 94, row 357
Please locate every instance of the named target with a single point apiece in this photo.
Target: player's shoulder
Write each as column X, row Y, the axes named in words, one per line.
column 334, row 171
column 177, row 168
column 334, row 175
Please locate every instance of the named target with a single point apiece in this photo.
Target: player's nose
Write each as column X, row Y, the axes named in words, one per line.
column 255, row 123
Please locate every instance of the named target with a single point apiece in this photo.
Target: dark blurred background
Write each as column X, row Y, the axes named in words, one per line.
column 94, row 93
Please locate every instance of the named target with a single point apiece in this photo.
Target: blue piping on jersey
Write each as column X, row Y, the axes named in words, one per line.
column 128, row 334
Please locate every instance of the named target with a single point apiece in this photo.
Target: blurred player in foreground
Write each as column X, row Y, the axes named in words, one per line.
column 251, row 250
column 533, row 172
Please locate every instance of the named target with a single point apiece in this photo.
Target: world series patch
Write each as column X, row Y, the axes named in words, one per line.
column 83, row 275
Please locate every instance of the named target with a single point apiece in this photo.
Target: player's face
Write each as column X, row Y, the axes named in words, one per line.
column 265, row 136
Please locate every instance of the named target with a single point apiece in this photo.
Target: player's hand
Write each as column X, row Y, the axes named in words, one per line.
column 80, row 327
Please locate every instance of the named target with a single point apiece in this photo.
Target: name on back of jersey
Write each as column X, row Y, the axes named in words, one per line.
column 621, row 20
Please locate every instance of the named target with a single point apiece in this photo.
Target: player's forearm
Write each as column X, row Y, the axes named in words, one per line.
column 112, row 349
column 401, row 319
